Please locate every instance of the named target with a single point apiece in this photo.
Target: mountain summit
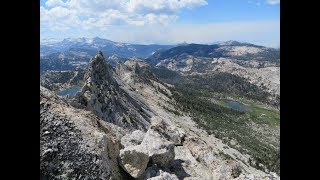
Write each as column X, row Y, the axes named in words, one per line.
column 103, row 95
column 99, row 72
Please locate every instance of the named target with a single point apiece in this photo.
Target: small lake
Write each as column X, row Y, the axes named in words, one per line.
column 71, row 92
column 237, row 105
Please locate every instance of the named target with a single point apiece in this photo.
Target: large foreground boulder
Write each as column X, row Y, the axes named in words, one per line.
column 155, row 147
column 161, row 151
column 134, row 160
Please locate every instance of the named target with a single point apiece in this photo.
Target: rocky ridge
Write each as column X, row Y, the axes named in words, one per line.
column 109, row 98
column 156, row 145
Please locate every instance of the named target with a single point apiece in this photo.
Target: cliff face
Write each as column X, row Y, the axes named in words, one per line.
column 109, row 98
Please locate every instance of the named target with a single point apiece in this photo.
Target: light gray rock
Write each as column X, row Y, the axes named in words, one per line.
column 164, row 176
column 140, row 148
column 134, row 160
column 227, row 169
column 168, row 132
column 107, row 96
column 163, row 156
column 155, row 173
column 250, row 177
column 76, row 144
column 46, row 132
column 161, row 151
column 135, row 138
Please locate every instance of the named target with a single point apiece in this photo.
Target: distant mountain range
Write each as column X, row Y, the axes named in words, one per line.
column 93, row 45
column 229, row 49
column 70, row 53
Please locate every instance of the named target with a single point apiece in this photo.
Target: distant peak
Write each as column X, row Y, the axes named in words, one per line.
column 230, row 43
column 97, row 38
column 183, row 44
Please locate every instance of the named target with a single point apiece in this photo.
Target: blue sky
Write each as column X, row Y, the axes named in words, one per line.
column 163, row 21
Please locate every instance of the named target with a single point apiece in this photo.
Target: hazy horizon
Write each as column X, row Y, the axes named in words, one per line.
column 217, row 42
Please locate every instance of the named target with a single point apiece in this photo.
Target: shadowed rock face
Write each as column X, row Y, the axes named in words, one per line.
column 103, row 95
column 99, row 72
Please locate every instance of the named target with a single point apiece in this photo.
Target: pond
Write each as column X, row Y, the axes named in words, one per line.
column 237, row 105
column 71, row 92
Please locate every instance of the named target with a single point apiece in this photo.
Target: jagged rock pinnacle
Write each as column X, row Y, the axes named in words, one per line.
column 102, row 95
column 99, row 71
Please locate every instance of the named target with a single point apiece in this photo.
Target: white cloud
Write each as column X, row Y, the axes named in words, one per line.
column 273, row 2
column 88, row 14
column 260, row 2
column 89, row 7
column 162, row 6
column 103, row 20
column 58, row 19
column 54, row 3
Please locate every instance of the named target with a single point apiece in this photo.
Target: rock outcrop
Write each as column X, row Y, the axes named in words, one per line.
column 75, row 144
column 134, row 160
column 109, row 98
column 135, row 138
column 161, row 151
column 166, row 131
column 154, row 173
column 155, row 147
